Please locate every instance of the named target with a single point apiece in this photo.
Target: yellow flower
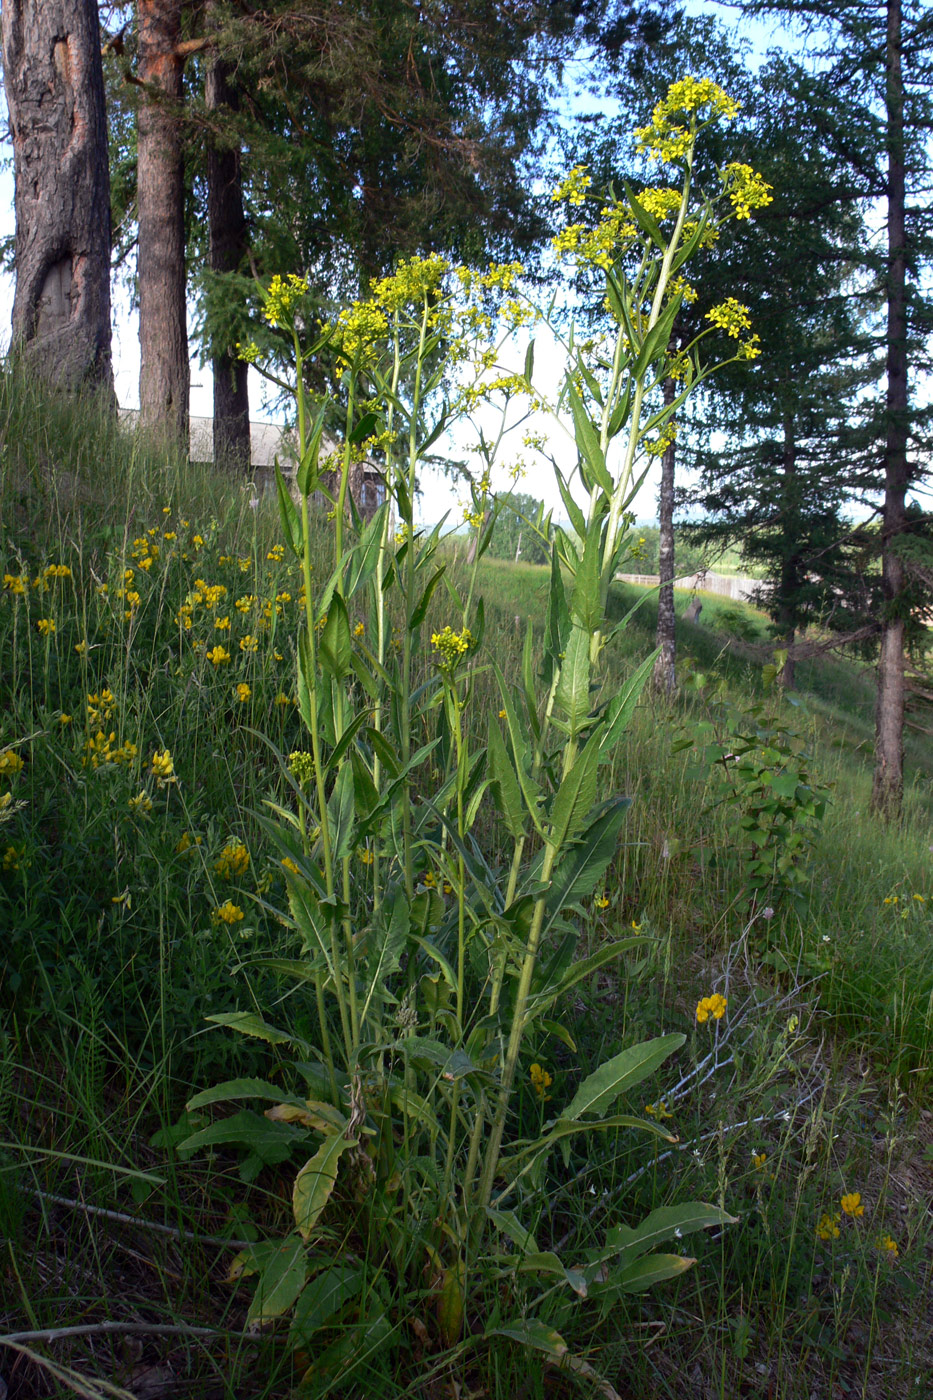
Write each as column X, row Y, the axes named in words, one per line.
column 359, row 629
column 658, row 1110
column 602, row 902
column 227, row 913
column 218, row 656
column 64, row 719
column 828, row 1227
column 886, row 1243
column 58, row 571
column 714, row 1006
column 163, row 769
column 574, row 186
column 366, row 857
column 758, row 1160
column 852, row 1204
column 11, row 762
column 243, row 692
column 282, row 698
column 46, row 626
column 541, row 1081
column 281, row 297
column 451, row 646
column 233, row 860
column 141, row 804
column 186, row 843
column 249, row 643
column 80, row 648
column 15, row 583
column 290, row 865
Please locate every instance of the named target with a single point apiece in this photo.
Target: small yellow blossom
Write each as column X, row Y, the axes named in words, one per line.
column 451, row 646
column 828, row 1227
column 218, row 656
column 243, row 692
column 141, row 804
column 232, row 861
column 163, row 769
column 658, row 1110
column 10, row 762
column 64, row 719
column 249, row 643
column 186, row 842
column 852, row 1204
column 886, row 1243
column 46, row 626
column 714, row 1006
column 602, row 902
column 290, row 865
column 541, row 1081
column 758, row 1160
column 227, row 913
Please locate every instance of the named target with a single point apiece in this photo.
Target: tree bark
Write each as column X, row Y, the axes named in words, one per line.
column 664, row 676
column 164, row 374
column 54, row 86
column 888, row 784
column 227, row 248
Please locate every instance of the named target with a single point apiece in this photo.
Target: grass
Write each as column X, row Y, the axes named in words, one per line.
column 116, row 867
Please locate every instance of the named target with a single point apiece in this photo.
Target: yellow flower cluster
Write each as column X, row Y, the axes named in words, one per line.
column 541, row 1081
column 162, row 767
column 414, row 281
column 227, row 913
column 699, row 99
column 451, row 646
column 746, row 189
column 852, row 1204
column 574, row 186
column 232, row 861
column 714, row 1006
column 730, row 316
column 828, row 1226
column 102, row 748
column 15, row 583
column 281, row 297
column 10, row 762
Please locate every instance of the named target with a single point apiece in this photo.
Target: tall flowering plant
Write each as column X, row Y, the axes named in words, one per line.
column 430, row 964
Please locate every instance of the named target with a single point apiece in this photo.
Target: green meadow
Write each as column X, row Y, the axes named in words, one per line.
column 149, row 618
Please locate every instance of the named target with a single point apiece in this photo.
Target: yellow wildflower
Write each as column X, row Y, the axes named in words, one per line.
column 227, row 913
column 233, row 860
column 163, row 769
column 852, row 1204
column 541, row 1081
column 218, row 656
column 10, row 762
column 243, row 692
column 714, row 1006
column 46, row 625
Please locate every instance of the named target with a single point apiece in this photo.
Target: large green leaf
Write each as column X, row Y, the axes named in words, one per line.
column 586, row 607
column 665, row 1223
column 506, row 789
column 248, row 1023
column 581, row 866
column 587, row 439
column 315, row 1182
column 322, row 1299
column 572, row 695
column 621, row 707
column 240, row 1089
column 281, row 1280
column 390, row 930
column 647, row 1273
column 622, row 1073
column 528, row 1332
column 288, row 514
column 271, row 1142
column 575, row 796
column 335, row 647
column 306, row 476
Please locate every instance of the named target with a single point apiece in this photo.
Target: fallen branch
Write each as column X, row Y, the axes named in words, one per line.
column 124, row 1219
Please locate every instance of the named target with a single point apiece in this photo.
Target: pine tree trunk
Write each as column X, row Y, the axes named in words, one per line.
column 54, row 87
column 226, row 251
column 888, row 785
column 164, row 375
column 664, row 676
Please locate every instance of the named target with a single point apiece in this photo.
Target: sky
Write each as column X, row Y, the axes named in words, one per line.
column 438, row 496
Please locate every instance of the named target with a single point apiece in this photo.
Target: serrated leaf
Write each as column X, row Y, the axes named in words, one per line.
column 621, row 1073
column 621, row 707
column 248, row 1023
column 587, row 440
column 315, row 1182
column 237, row 1089
column 508, row 1224
column 288, row 514
column 271, row 1142
column 572, row 695
column 506, row 790
column 575, row 797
